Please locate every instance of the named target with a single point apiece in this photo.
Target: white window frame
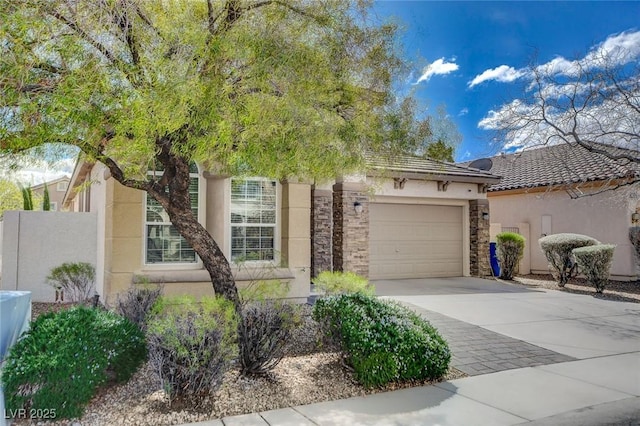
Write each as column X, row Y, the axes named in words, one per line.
column 276, row 226
column 60, row 188
column 53, row 206
column 201, row 218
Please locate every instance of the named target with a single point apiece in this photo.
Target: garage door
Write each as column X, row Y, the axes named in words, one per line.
column 415, row 241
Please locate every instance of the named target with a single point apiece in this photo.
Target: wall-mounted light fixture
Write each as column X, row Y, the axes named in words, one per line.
column 358, row 207
column 485, row 215
column 635, row 217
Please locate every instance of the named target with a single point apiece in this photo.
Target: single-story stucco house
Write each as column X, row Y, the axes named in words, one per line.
column 566, row 188
column 408, row 217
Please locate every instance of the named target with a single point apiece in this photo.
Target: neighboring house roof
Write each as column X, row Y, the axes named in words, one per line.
column 51, row 182
column 419, row 167
column 80, row 172
column 559, row 165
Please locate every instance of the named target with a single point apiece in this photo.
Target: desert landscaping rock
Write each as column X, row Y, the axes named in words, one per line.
column 312, row 372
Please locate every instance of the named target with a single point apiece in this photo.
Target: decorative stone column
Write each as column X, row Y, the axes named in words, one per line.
column 321, row 230
column 479, row 238
column 351, row 228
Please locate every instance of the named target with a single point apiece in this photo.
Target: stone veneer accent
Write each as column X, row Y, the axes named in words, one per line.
column 479, row 238
column 350, row 230
column 321, row 231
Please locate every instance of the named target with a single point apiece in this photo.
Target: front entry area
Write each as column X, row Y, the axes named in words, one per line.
column 415, row 241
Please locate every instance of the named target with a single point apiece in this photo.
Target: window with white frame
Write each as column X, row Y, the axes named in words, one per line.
column 253, row 219
column 62, row 186
column 164, row 244
column 53, row 206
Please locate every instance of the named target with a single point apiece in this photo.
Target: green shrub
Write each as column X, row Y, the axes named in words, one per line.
column 263, row 333
column 383, row 341
column 76, row 280
column 260, row 290
column 191, row 344
column 46, row 202
column 510, row 250
column 343, row 282
column 27, row 198
column 558, row 249
column 65, row 356
column 595, row 263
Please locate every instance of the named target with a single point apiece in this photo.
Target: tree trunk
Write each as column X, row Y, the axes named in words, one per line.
column 177, row 203
column 206, row 247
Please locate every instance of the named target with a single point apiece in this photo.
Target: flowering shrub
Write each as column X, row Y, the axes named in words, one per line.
column 558, row 249
column 510, row 251
column 65, row 356
column 383, row 341
column 342, row 282
column 595, row 262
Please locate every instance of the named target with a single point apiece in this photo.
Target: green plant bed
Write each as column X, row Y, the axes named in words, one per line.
column 383, row 341
column 61, row 361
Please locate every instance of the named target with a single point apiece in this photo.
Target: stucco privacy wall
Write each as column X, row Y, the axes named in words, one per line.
column 604, row 217
column 124, row 240
column 35, row 242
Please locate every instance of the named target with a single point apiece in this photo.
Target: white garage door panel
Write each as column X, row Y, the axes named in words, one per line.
column 414, row 241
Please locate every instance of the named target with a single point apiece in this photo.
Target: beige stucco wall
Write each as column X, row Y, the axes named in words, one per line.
column 425, row 189
column 34, row 242
column 123, row 230
column 605, row 216
column 55, row 196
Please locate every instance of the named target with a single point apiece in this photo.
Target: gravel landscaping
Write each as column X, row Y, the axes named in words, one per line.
column 312, row 372
column 621, row 291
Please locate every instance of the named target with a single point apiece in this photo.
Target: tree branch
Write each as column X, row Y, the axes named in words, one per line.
column 234, row 12
column 94, row 43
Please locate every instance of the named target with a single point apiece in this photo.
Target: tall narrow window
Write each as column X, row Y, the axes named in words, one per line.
column 164, row 244
column 253, row 219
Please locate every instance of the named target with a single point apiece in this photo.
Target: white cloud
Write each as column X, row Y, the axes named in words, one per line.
column 503, row 74
column 609, row 118
column 560, row 65
column 463, row 111
column 438, row 67
column 617, row 49
column 34, row 172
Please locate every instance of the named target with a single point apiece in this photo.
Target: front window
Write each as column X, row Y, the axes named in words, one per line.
column 164, row 244
column 253, row 219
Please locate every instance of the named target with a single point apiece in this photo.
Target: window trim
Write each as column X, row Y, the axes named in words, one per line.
column 66, row 185
column 277, row 227
column 202, row 215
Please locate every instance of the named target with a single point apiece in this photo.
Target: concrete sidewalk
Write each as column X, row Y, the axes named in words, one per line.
column 599, row 383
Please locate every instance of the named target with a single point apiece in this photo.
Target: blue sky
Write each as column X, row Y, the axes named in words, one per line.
column 466, row 53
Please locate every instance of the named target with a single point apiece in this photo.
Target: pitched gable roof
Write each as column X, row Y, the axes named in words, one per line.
column 561, row 164
column 414, row 166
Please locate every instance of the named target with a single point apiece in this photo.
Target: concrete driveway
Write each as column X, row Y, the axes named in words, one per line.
column 575, row 325
column 599, row 339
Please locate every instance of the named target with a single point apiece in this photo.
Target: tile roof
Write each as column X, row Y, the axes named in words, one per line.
column 424, row 166
column 561, row 164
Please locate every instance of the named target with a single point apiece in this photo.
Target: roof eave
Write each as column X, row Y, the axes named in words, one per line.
column 423, row 175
